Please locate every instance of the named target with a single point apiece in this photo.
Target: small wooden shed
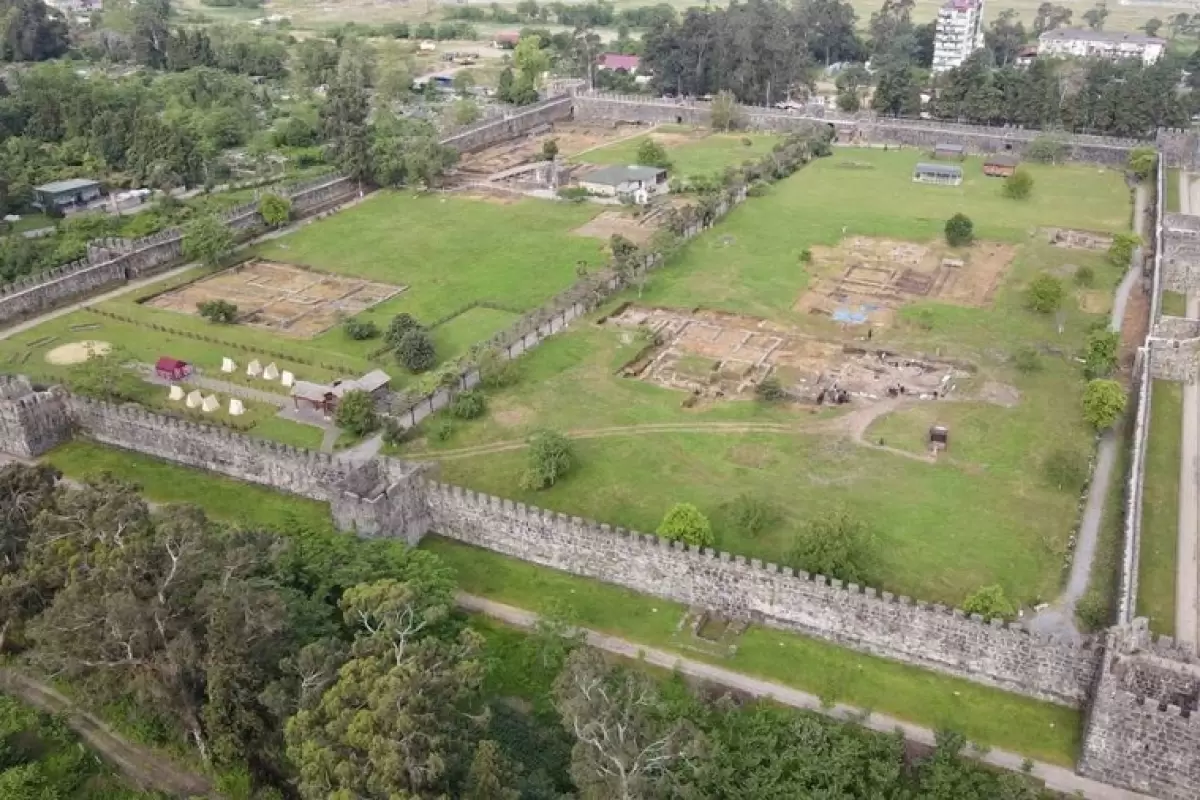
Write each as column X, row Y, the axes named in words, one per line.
column 1000, row 166
column 944, row 151
column 172, row 369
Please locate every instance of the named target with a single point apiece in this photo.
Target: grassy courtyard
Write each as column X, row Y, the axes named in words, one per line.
column 449, row 251
column 1160, row 509
column 984, row 715
column 984, row 513
column 691, row 153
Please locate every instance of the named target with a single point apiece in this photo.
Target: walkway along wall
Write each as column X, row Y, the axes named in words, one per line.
column 110, row 262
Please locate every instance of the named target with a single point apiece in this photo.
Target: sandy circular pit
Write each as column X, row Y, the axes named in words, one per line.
column 77, row 352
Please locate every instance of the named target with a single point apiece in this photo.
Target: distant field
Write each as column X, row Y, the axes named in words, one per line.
column 690, row 153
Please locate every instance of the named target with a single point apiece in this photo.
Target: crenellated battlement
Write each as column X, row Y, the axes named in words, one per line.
column 865, row 618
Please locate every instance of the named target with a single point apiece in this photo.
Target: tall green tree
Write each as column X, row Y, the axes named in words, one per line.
column 207, row 239
column 31, row 31
column 344, row 120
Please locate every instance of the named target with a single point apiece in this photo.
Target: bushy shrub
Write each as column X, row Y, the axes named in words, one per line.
column 442, row 429
column 1094, row 611
column 991, row 602
column 468, row 405
column 415, row 351
column 1085, row 276
column 685, row 523
column 1045, row 294
column 1120, row 252
column 837, row 545
column 1019, row 185
column 220, row 311
column 1103, row 403
column 652, row 154
column 749, row 515
column 356, row 413
column 960, row 231
column 275, row 210
column 550, row 458
column 394, row 434
column 360, row 330
column 400, row 325
column 1100, row 357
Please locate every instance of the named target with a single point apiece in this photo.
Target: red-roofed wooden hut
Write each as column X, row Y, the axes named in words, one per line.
column 172, row 369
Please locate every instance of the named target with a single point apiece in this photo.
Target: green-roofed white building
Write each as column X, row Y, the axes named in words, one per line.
column 64, row 194
column 637, row 183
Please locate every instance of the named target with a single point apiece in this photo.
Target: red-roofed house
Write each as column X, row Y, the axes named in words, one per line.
column 172, row 369
column 617, row 61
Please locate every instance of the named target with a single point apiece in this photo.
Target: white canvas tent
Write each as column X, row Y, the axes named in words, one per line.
column 176, row 393
column 228, row 365
column 211, row 404
column 194, row 399
column 254, row 369
column 236, row 407
column 271, row 372
column 287, row 378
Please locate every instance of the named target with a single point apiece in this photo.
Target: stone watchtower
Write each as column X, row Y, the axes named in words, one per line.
column 31, row 421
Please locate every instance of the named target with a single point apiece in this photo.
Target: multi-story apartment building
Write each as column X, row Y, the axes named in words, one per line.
column 1112, row 45
column 959, row 33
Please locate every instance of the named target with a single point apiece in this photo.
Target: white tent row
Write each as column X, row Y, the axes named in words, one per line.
column 194, row 399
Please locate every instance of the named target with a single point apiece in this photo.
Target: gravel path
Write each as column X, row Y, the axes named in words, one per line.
column 1057, row 778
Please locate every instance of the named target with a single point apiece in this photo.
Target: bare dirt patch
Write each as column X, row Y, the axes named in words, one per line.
column 1000, row 394
column 285, row 298
column 77, row 352
column 638, row 230
column 511, row 417
column 714, row 354
column 571, row 138
column 1095, row 301
column 1077, row 239
column 865, row 280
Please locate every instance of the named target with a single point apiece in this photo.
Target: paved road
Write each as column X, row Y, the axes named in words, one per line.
column 1057, row 778
column 1059, row 618
column 142, row 766
column 1187, row 618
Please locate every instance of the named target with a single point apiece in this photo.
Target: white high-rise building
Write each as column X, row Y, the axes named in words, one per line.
column 959, row 33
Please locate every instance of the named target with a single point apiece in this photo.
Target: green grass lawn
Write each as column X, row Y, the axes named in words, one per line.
column 1171, row 190
column 1160, row 509
column 474, row 326
column 983, row 514
column 700, row 155
column 448, row 251
column 222, row 498
column 984, row 715
column 750, row 262
column 28, row 222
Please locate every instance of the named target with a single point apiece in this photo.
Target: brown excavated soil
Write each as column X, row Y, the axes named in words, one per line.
column 571, row 138
column 875, row 277
column 77, row 352
column 285, row 298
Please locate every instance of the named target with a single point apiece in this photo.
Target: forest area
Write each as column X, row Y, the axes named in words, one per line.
column 311, row 664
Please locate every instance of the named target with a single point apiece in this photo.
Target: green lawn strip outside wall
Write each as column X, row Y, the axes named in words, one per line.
column 1160, row 509
column 987, row 716
column 1171, row 190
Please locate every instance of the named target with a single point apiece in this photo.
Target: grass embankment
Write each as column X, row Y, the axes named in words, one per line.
column 987, row 716
column 1171, row 190
column 1160, row 509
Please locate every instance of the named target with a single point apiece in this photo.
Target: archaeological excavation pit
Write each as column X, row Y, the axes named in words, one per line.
column 713, row 354
column 865, row 280
column 284, row 298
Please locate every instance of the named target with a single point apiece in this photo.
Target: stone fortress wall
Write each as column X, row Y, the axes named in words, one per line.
column 110, row 262
column 1139, row 696
column 388, row 497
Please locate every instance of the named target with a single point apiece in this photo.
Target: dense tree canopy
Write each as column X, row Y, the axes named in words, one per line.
column 31, row 31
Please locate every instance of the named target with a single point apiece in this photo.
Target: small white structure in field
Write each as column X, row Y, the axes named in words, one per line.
column 236, row 407
column 271, row 372
column 254, row 369
column 176, row 393
column 211, row 404
column 287, row 378
column 228, row 365
column 194, row 399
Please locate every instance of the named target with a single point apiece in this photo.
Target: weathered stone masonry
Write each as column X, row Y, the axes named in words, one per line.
column 111, row 262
